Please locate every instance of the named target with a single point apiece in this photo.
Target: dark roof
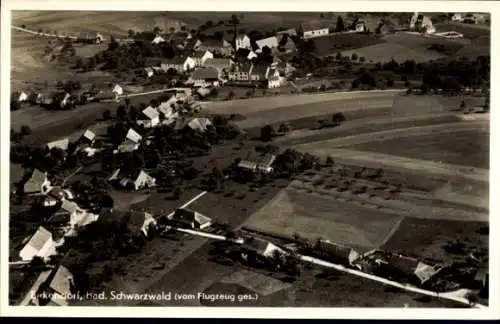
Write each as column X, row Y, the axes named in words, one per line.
column 315, row 25
column 260, row 69
column 132, row 220
column 404, row 264
column 212, row 42
column 205, row 73
column 59, row 96
column 176, row 60
column 218, row 63
column 256, row 244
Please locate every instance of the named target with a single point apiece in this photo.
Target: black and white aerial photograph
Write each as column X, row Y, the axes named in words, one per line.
column 249, row 159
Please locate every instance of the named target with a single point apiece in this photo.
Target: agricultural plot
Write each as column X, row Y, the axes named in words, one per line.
column 332, row 44
column 462, row 147
column 314, row 216
column 384, row 52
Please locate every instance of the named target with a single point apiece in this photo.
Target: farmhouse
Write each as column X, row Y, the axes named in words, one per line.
column 138, row 223
column 457, row 17
column 314, row 28
column 242, row 41
column 336, row 253
column 131, row 142
column 61, row 99
column 19, row 96
column 40, row 244
column 261, row 164
column 286, row 44
column 187, row 218
column 36, row 183
column 179, row 64
column 289, row 32
column 87, row 138
column 222, row 65
column 241, row 72
column 201, row 57
column 199, row 124
column 260, row 250
column 117, row 89
column 205, row 77
column 60, row 144
column 157, row 40
column 214, row 45
column 168, row 112
column 135, row 180
column 148, row 72
column 270, row 42
column 150, row 117
column 410, row 268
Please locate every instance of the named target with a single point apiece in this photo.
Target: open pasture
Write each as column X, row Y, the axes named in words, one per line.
column 313, row 216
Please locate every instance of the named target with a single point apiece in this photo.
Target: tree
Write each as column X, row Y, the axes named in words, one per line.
column 267, row 133
column 463, row 106
column 234, row 20
column 156, row 30
column 106, row 115
column 130, row 33
column 284, row 128
column 329, row 160
column 338, row 118
column 362, row 59
column 340, row 24
column 354, row 56
column 338, row 57
column 127, row 102
column 25, row 130
column 15, row 105
column 133, row 113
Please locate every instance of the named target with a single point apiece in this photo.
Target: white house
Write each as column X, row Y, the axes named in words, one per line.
column 191, row 219
column 19, row 96
column 88, row 137
column 61, row 144
column 149, row 72
column 40, row 244
column 457, row 17
column 273, row 82
column 179, row 64
column 315, row 28
column 149, row 117
column 242, row 41
column 204, row 77
column 118, row 90
column 130, row 143
column 270, row 42
column 168, row 112
column 158, row 39
column 201, row 57
column 137, row 180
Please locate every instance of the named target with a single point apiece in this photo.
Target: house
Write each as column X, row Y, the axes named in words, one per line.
column 259, row 250
column 60, row 144
column 193, row 44
column 158, row 39
column 148, row 72
column 191, row 219
column 242, row 41
column 222, row 65
column 205, row 77
column 98, row 38
column 199, row 124
column 270, row 42
column 289, row 32
column 135, row 180
column 457, row 17
column 179, row 64
column 150, row 117
column 61, row 99
column 168, row 112
column 360, row 26
column 421, row 24
column 241, row 72
column 218, row 46
column 74, row 216
column 286, row 44
column 273, row 82
column 261, row 163
column 117, row 89
column 131, row 142
column 336, row 253
column 244, row 54
column 88, row 138
column 36, row 183
column 60, row 193
column 53, row 287
column 136, row 222
column 40, row 244
column 106, row 96
column 19, row 96
column 314, row 28
column 260, row 72
column 201, row 57
column 410, row 269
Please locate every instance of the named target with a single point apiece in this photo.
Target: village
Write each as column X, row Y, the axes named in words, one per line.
column 76, row 197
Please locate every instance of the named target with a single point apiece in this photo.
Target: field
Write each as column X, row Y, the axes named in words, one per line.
column 332, row 44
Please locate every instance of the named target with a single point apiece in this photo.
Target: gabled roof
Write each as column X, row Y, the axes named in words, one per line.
column 261, row 246
column 88, row 135
column 199, row 123
column 34, row 183
column 70, row 206
column 291, row 32
column 150, row 113
column 270, row 42
column 40, row 238
column 260, row 69
column 315, row 25
column 133, row 136
column 191, row 216
column 149, row 69
column 167, row 110
column 62, row 144
column 402, row 263
column 205, row 73
column 218, row 63
column 337, row 250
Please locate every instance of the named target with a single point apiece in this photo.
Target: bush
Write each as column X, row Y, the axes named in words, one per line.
column 25, row 130
column 106, row 115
